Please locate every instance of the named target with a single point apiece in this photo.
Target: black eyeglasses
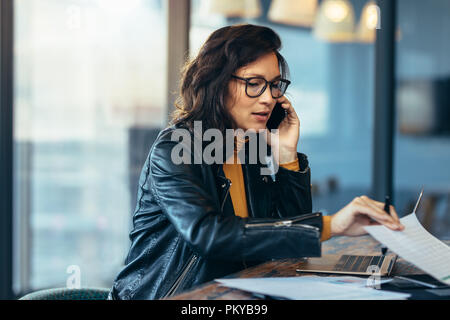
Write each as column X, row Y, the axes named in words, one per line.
column 255, row 86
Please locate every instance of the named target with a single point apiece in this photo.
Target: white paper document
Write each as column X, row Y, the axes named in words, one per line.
column 312, row 288
column 417, row 246
column 348, row 280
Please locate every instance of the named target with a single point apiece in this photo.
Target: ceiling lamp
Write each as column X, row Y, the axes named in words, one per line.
column 335, row 21
column 370, row 21
column 234, row 8
column 293, row 12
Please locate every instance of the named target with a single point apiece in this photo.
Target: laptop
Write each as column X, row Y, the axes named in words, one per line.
column 349, row 264
column 352, row 264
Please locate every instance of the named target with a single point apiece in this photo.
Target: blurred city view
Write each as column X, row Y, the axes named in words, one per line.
column 90, row 96
column 86, row 72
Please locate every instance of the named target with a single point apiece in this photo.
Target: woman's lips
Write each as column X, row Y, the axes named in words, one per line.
column 261, row 116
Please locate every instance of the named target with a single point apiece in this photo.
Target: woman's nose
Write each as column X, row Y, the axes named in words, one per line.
column 267, row 96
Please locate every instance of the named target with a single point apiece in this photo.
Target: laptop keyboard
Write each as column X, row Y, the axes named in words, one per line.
column 357, row 263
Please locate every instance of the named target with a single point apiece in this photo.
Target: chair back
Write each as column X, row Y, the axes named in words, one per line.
column 68, row 294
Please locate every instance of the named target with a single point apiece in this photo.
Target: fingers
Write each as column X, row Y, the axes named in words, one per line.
column 283, row 99
column 380, row 205
column 287, row 106
column 393, row 213
column 365, row 206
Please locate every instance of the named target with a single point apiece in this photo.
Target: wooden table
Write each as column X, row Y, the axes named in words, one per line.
column 364, row 245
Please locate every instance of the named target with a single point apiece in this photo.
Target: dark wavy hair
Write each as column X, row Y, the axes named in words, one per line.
column 204, row 84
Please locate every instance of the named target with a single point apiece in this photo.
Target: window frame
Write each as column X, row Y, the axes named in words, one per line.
column 6, row 148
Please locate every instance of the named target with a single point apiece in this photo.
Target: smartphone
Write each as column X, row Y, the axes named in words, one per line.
column 277, row 115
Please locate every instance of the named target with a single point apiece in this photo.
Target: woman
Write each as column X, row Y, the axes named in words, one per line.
column 195, row 222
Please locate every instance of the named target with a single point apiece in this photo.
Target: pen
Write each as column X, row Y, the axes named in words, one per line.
column 387, row 205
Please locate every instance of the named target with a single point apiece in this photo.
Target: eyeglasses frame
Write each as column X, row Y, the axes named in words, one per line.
column 265, row 86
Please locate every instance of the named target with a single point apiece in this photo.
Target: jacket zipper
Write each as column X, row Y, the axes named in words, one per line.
column 182, row 276
column 226, row 194
column 286, row 223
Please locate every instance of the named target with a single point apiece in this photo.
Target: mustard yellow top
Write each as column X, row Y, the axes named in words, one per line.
column 233, row 172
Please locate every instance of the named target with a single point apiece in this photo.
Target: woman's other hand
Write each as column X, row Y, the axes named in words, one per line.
column 361, row 212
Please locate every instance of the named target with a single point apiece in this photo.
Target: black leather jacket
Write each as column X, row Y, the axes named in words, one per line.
column 186, row 233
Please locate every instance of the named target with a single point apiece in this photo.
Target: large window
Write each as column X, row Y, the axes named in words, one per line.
column 90, row 95
column 89, row 90
column 422, row 142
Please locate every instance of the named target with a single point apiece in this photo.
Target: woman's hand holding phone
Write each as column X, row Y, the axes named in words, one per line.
column 285, row 147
